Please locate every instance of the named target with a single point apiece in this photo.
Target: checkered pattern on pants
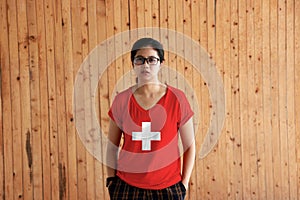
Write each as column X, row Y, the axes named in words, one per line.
column 120, row 190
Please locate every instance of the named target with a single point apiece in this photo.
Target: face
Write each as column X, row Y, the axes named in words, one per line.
column 148, row 71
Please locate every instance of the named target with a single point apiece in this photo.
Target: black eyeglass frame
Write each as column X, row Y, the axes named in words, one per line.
column 143, row 59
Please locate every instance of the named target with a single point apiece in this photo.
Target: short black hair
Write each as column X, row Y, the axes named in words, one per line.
column 148, row 42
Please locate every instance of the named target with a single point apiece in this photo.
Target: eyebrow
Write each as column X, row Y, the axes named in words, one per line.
column 146, row 57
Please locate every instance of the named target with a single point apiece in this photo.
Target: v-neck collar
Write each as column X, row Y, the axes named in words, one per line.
column 158, row 101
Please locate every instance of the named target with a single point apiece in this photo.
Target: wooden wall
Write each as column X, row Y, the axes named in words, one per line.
column 256, row 47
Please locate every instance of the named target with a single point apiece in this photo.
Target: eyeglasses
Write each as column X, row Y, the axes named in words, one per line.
column 139, row 60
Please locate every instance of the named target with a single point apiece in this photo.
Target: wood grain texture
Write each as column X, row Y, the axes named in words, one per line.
column 255, row 45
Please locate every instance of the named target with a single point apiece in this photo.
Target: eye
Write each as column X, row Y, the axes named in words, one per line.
column 139, row 60
column 153, row 60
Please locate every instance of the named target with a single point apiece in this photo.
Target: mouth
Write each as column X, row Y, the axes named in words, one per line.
column 145, row 72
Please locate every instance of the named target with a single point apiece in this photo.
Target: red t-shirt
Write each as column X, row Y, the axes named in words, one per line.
column 150, row 156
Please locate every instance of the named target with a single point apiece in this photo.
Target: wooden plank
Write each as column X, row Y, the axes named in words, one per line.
column 237, row 183
column 291, row 131
column 275, row 99
column 228, row 125
column 171, row 24
column 44, row 123
column 205, row 114
column 109, row 75
column 228, row 80
column 93, row 34
column 92, row 41
column 187, row 30
column 259, row 123
column 179, row 42
column 267, row 97
column 147, row 17
column 119, row 69
column 3, row 35
column 4, row 64
column 101, row 191
column 220, row 59
column 251, row 137
column 297, row 89
column 35, row 103
column 110, row 48
column 164, row 39
column 282, row 102
column 188, row 68
column 164, row 19
column 133, row 21
column 2, row 176
column 196, row 85
column 69, row 84
column 83, row 168
column 133, row 16
column 61, row 106
column 155, row 15
column 126, row 62
column 111, row 29
column 243, row 74
column 81, row 157
column 220, row 65
column 77, row 59
column 26, row 132
column 140, row 15
column 88, row 140
column 172, row 56
column 104, row 106
column 103, row 92
column 211, row 28
column 15, row 131
column 51, row 78
column 211, row 162
column 110, row 56
column 7, row 186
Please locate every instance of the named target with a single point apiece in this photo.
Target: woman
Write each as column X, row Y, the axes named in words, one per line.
column 149, row 116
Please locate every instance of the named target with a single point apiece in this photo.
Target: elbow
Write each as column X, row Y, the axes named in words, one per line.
column 191, row 150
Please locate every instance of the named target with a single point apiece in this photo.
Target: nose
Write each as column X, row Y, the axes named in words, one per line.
column 146, row 65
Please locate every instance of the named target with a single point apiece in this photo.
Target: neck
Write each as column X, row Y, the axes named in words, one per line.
column 149, row 88
column 141, row 83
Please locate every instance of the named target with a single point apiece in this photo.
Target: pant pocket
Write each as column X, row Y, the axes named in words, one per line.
column 112, row 186
column 182, row 186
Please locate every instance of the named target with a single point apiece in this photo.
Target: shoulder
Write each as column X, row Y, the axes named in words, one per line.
column 121, row 99
column 123, row 95
column 177, row 92
column 179, row 96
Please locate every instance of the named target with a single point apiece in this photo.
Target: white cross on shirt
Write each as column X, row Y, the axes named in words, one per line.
column 146, row 136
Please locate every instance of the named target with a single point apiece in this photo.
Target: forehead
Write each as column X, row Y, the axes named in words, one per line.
column 147, row 51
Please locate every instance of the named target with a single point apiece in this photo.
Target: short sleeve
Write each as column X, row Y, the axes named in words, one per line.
column 186, row 111
column 115, row 112
column 119, row 106
column 182, row 106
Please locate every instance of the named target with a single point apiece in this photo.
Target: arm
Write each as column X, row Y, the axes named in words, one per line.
column 114, row 137
column 188, row 141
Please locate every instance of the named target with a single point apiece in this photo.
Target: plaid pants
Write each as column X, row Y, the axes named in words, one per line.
column 120, row 190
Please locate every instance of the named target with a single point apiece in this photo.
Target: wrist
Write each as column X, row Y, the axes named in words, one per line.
column 185, row 182
column 111, row 172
